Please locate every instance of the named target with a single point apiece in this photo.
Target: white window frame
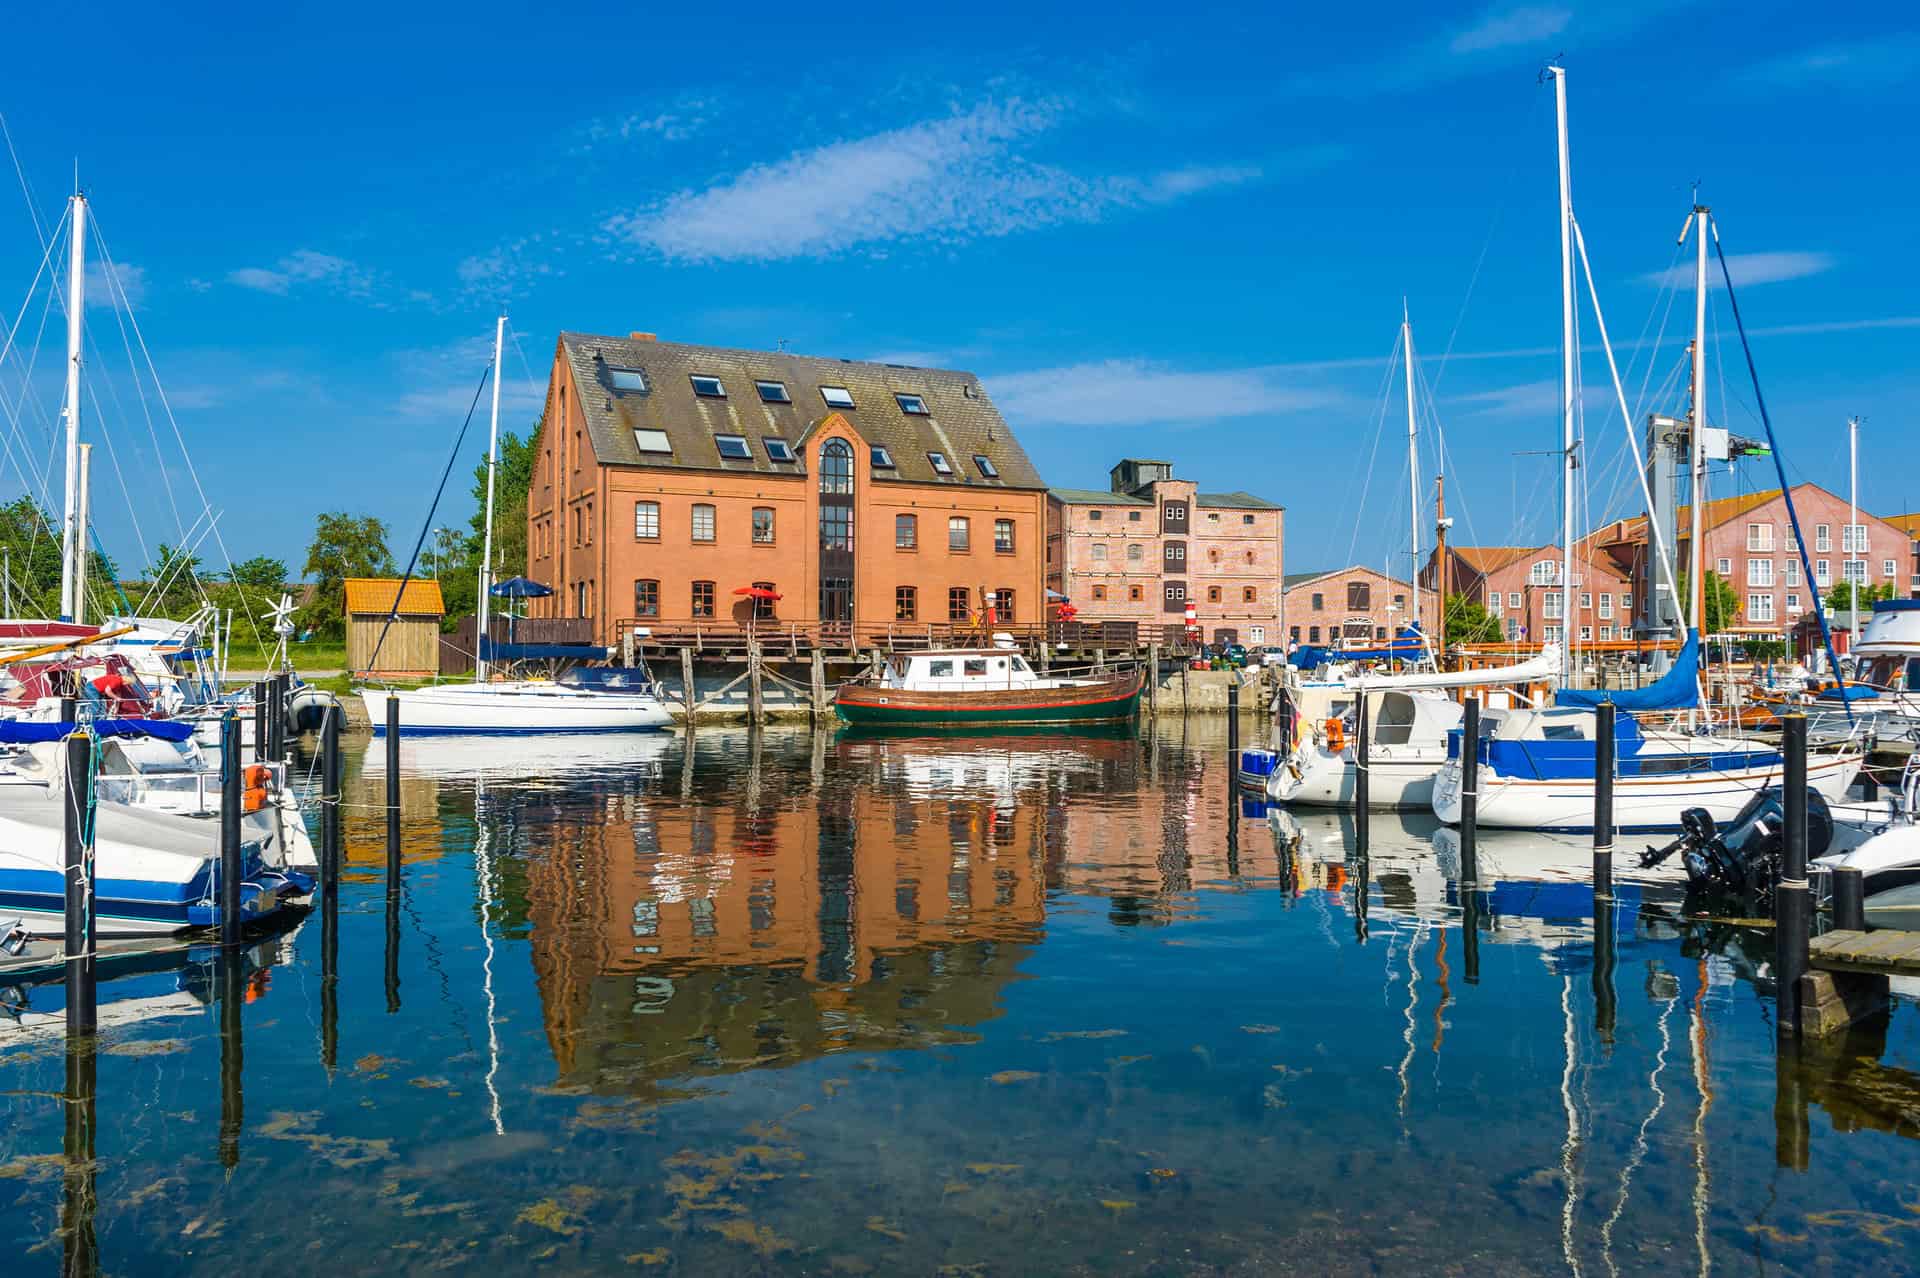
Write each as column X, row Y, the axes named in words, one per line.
column 1760, row 572
column 1854, row 540
column 1790, row 572
column 637, row 378
column 1760, row 538
column 1822, row 572
column 719, row 390
column 836, row 396
column 1760, row 608
column 1823, row 537
column 1513, row 601
column 1606, row 605
column 1724, row 567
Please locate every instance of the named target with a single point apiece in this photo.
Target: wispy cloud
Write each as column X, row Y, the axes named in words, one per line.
column 110, row 286
column 1749, row 269
column 443, row 381
column 1867, row 63
column 308, row 268
column 1132, row 392
column 1505, row 27
column 676, row 123
column 950, row 180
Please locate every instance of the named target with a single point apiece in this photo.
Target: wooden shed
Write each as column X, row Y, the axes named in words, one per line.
column 411, row 648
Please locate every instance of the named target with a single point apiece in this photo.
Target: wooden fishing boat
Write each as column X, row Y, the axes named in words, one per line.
column 965, row 687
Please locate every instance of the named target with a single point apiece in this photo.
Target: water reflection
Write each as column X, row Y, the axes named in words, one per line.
column 802, row 1002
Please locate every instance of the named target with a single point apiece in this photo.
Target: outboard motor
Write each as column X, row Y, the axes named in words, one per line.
column 1744, row 859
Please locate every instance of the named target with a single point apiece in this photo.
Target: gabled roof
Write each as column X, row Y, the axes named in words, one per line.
column 1908, row 524
column 1234, row 501
column 960, row 421
column 1293, row 579
column 1486, row 559
column 1096, row 497
column 376, row 595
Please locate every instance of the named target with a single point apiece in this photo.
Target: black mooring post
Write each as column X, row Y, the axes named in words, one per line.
column 69, row 710
column 260, row 721
column 231, row 973
column 1792, row 1124
column 277, row 718
column 1360, row 770
column 81, row 1253
column 1791, row 913
column 393, row 950
column 1850, row 899
column 82, row 932
column 1603, row 802
column 1233, row 740
column 393, row 794
column 1283, row 703
column 230, row 803
column 1605, row 998
column 1470, row 794
column 1470, row 932
column 1869, row 785
column 330, row 799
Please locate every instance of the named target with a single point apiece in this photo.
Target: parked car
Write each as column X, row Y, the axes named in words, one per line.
column 1233, row 654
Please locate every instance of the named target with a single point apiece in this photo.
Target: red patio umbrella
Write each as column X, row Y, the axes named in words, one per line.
column 757, row 592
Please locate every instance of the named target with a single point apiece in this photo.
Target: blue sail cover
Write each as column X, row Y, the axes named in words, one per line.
column 21, row 732
column 1677, row 689
column 1407, row 646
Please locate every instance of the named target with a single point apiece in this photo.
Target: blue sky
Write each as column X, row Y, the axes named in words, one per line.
column 1173, row 233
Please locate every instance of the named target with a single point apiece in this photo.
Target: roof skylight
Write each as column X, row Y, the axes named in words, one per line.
column 837, row 396
column 986, row 466
column 911, row 404
column 778, row 449
column 627, row 379
column 733, row 447
column 708, row 387
column 773, row 392
column 941, row 465
column 652, row 441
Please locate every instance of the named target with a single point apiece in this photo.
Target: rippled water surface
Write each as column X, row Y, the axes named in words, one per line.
column 1042, row 1004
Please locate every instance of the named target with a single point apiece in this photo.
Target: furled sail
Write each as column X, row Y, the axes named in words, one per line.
column 1677, row 689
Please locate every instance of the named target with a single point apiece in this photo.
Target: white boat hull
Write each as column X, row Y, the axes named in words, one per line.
column 1639, row 803
column 1317, row 778
column 515, row 709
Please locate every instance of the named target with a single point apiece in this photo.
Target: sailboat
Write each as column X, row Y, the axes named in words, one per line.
column 515, row 706
column 1315, row 762
column 1536, row 766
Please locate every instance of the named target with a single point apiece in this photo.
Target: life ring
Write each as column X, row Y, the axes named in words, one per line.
column 1336, row 733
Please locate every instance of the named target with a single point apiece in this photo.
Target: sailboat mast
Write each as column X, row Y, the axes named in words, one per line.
column 84, row 513
column 72, row 536
column 1567, row 354
column 1697, row 460
column 1853, row 517
column 480, row 640
column 1413, row 464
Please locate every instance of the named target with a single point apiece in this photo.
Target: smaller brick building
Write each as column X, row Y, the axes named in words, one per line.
column 1355, row 604
column 1150, row 544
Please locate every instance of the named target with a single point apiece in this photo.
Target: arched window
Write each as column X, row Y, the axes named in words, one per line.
column 836, row 467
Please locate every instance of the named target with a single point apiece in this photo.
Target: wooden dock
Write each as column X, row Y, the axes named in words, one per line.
column 1875, row 953
column 1848, row 977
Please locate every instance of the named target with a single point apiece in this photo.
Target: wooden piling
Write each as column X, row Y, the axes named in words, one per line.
column 1603, row 752
column 686, row 683
column 1186, row 693
column 230, row 803
column 756, row 692
column 1153, row 680
column 818, row 686
column 276, row 747
column 1791, row 905
column 82, row 930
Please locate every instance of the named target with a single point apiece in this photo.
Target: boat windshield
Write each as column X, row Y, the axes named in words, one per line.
column 608, row 678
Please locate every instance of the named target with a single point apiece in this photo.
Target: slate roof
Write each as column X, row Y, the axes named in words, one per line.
column 1234, row 501
column 1096, row 497
column 961, row 420
column 1486, row 559
column 376, row 595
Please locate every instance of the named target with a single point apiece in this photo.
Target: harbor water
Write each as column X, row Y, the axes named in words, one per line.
column 826, row 1003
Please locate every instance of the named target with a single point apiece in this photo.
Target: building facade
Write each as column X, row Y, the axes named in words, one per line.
column 1749, row 544
column 1355, row 604
column 678, row 486
column 1520, row 586
column 1151, row 544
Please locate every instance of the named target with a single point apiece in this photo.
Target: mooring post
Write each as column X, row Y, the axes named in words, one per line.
column 1605, row 997
column 232, row 980
column 276, row 719
column 80, row 1245
column 1233, row 736
column 1361, row 788
column 1869, row 785
column 330, row 799
column 686, row 682
column 819, row 685
column 1153, row 680
column 393, row 794
column 260, row 721
column 82, row 932
column 1099, row 660
column 1603, row 802
column 1470, row 928
column 1850, row 899
column 1791, row 916
column 1186, row 698
column 230, row 804
column 69, row 710
column 756, row 694
column 1470, row 793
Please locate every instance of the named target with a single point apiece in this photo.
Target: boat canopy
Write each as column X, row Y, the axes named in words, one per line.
column 1544, row 666
column 1409, row 645
column 491, row 651
column 1677, row 689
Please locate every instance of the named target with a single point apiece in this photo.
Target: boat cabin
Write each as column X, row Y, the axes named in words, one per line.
column 960, row 670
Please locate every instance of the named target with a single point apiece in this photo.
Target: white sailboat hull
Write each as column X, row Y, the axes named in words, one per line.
column 515, row 709
column 1639, row 803
column 1398, row 777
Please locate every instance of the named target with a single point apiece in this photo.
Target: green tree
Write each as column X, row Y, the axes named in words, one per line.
column 1840, row 601
column 459, row 568
column 262, row 574
column 1468, row 622
column 343, row 546
column 173, row 583
column 31, row 542
column 1723, row 602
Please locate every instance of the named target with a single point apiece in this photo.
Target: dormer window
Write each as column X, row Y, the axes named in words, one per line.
column 626, row 379
column 911, row 404
column 707, row 387
column 941, row 466
column 837, row 396
column 986, row 466
column 733, row 447
column 882, row 459
column 652, row 441
column 773, row 392
column 778, row 449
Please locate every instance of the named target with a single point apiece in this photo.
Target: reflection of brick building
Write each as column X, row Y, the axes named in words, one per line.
column 1354, row 604
column 1150, row 544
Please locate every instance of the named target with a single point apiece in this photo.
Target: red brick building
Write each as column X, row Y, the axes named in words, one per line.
column 1150, row 544
column 669, row 477
column 1520, row 585
column 1355, row 604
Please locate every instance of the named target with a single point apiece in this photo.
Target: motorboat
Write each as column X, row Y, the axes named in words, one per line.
column 964, row 687
column 1409, row 719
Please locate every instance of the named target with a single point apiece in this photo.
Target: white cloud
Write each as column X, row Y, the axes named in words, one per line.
column 1870, row 63
column 444, row 379
column 949, row 180
column 106, row 286
column 307, row 267
column 1137, row 393
column 1502, row 28
column 1748, row 269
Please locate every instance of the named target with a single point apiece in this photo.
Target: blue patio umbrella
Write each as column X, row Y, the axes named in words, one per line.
column 520, row 588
